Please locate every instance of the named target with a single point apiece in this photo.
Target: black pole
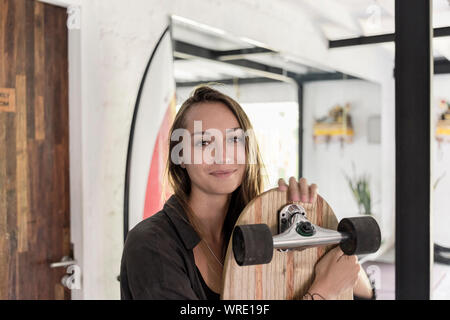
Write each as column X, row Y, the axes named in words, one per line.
column 413, row 70
column 300, row 128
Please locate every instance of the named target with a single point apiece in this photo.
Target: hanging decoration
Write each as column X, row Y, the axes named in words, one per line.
column 443, row 123
column 337, row 125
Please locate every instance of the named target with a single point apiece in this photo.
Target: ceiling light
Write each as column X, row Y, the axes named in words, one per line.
column 198, row 25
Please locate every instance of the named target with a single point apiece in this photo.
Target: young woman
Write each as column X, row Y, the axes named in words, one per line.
column 178, row 253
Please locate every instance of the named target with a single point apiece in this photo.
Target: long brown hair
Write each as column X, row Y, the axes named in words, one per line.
column 252, row 182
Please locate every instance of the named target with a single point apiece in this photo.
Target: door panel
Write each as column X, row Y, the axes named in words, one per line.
column 34, row 150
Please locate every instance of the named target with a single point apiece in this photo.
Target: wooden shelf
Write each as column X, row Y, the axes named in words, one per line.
column 443, row 128
column 328, row 132
column 334, row 129
column 337, row 125
column 443, row 124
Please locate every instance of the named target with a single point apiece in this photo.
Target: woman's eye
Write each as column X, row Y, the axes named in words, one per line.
column 236, row 139
column 203, row 143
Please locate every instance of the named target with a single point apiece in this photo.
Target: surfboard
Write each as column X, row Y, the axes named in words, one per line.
column 153, row 115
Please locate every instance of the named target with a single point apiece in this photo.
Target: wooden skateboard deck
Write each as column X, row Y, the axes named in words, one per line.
column 290, row 274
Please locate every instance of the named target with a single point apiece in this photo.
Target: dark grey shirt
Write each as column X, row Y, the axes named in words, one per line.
column 158, row 261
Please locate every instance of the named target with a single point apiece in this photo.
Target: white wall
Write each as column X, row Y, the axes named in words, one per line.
column 441, row 217
column 116, row 38
column 324, row 163
column 388, row 156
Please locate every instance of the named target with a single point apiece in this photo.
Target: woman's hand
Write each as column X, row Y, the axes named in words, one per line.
column 363, row 287
column 299, row 191
column 335, row 273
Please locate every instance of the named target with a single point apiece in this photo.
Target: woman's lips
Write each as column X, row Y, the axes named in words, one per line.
column 223, row 173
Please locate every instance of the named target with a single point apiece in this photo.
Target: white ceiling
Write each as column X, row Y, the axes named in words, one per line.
column 336, row 19
column 340, row 19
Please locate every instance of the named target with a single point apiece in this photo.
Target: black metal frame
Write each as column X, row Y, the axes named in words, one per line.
column 441, row 66
column 389, row 37
column 184, row 50
column 189, row 84
column 299, row 79
column 413, row 253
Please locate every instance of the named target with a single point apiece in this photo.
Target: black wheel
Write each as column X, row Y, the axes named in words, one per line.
column 252, row 244
column 364, row 232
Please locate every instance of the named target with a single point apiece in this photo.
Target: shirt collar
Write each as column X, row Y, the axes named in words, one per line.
column 177, row 215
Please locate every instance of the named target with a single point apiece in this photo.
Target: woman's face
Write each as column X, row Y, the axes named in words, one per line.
column 217, row 157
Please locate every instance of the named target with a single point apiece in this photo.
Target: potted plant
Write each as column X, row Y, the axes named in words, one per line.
column 360, row 188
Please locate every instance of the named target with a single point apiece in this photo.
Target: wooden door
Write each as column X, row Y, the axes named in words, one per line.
column 34, row 150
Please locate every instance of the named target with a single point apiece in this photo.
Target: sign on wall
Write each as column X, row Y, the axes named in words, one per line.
column 7, row 100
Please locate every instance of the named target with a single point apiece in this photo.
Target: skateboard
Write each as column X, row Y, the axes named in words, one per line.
column 275, row 246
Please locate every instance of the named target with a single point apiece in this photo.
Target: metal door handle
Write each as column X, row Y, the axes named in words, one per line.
column 65, row 262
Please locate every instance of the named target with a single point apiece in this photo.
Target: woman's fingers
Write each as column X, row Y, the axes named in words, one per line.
column 304, row 190
column 337, row 253
column 299, row 190
column 294, row 190
column 282, row 186
column 313, row 190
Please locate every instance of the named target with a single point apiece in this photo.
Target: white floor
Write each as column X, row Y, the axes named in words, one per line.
column 382, row 273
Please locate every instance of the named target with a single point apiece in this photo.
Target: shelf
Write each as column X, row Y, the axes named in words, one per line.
column 443, row 128
column 332, row 130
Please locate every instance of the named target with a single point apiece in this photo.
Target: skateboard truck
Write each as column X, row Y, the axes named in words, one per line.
column 254, row 243
column 296, row 232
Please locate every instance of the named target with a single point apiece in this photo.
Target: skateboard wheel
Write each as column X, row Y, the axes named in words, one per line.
column 364, row 235
column 252, row 244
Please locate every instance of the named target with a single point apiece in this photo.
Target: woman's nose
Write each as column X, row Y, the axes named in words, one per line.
column 221, row 156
